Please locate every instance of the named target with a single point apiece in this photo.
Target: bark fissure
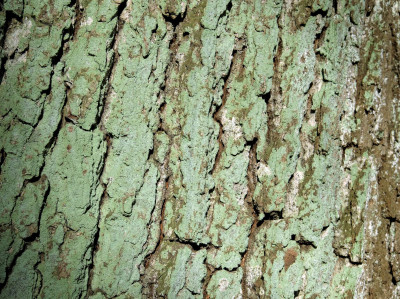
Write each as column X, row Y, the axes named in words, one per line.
column 26, row 242
column 175, row 21
column 100, row 124
column 252, row 180
column 218, row 113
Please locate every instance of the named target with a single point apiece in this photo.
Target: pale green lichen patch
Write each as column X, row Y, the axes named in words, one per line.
column 225, row 284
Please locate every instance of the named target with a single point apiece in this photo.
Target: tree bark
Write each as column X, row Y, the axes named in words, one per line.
column 200, row 149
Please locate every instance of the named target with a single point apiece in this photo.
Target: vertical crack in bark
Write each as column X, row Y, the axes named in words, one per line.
column 62, row 51
column 158, row 213
column 217, row 116
column 175, row 21
column 210, row 272
column 9, row 16
column 63, row 47
column 251, row 185
column 335, row 6
column 272, row 100
column 78, row 17
column 218, row 113
column 108, row 78
column 159, row 206
column 39, row 280
column 10, row 268
column 276, row 90
column 28, row 240
column 104, row 197
column 100, row 123
column 148, row 258
column 3, row 156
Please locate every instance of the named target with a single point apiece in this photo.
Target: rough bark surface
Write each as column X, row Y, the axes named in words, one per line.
column 200, row 149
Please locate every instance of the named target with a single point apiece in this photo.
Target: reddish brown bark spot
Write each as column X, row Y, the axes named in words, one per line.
column 62, row 271
column 290, row 257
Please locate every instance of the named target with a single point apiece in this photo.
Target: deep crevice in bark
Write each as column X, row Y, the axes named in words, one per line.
column 251, row 185
column 210, row 271
column 217, row 116
column 271, row 216
column 78, row 17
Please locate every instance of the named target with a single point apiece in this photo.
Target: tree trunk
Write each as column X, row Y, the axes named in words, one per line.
column 200, row 149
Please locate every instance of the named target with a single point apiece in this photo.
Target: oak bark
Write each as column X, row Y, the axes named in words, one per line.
column 199, row 149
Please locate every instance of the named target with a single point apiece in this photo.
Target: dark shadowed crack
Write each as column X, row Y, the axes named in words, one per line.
column 78, row 17
column 210, row 272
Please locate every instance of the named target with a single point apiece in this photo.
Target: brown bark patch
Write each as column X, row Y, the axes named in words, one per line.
column 61, row 271
column 290, row 257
